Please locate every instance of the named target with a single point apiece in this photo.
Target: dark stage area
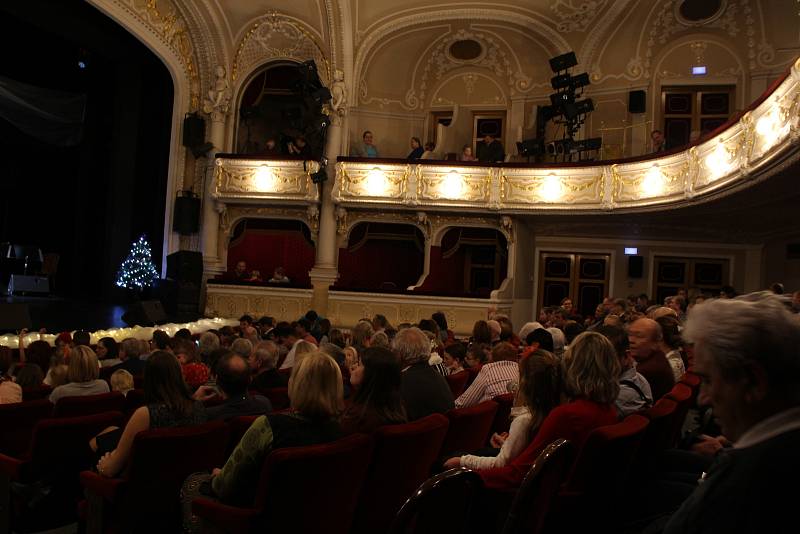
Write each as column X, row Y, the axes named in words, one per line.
column 58, row 314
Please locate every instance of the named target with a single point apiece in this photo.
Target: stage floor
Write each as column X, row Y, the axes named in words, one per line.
column 57, row 314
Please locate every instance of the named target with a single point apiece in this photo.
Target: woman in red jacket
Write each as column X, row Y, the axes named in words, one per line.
column 590, row 382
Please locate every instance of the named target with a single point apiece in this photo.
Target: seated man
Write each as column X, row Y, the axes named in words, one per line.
column 423, row 390
column 271, row 148
column 494, row 378
column 279, row 276
column 645, row 337
column 746, row 351
column 233, row 377
column 263, row 362
column 634, row 390
column 239, row 273
column 490, row 150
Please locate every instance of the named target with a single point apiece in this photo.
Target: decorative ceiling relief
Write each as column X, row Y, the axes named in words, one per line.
column 576, row 15
column 491, row 56
column 276, row 37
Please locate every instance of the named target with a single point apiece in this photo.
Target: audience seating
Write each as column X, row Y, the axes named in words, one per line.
column 237, row 427
column 401, row 461
column 443, row 504
column 457, row 382
column 599, row 474
column 279, row 397
column 89, row 404
column 17, row 421
column 469, row 428
column 301, row 489
column 146, row 496
column 502, row 419
column 473, row 372
column 532, row 502
column 134, row 399
column 660, row 432
column 37, row 392
column 58, row 451
column 286, row 372
column 683, row 397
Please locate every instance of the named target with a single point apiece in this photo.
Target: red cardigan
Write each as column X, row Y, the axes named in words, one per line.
column 573, row 421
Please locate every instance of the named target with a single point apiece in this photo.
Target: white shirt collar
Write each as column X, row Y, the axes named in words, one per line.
column 769, row 428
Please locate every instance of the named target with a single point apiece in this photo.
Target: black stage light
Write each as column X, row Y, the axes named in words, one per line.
column 560, row 81
column 559, row 146
column 581, row 107
column 530, row 147
column 581, row 80
column 563, row 62
column 593, row 143
column 560, row 99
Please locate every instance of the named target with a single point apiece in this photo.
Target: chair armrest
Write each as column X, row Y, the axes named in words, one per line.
column 11, row 467
column 107, row 488
column 227, row 518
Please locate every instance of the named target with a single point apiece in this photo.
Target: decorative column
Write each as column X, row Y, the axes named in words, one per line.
column 325, row 272
column 216, row 105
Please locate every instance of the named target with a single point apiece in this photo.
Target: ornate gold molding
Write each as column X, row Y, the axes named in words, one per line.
column 240, row 180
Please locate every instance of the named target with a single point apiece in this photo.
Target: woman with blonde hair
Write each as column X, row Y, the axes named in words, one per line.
column 591, row 375
column 83, row 371
column 315, row 394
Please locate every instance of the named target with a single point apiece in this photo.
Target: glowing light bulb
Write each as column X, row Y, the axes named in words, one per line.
column 719, row 162
column 376, row 184
column 265, row 179
column 452, row 186
column 769, row 128
column 653, row 183
column 551, row 188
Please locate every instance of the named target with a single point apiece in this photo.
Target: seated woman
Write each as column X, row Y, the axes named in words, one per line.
column 591, row 377
column 195, row 372
column 466, row 154
column 539, row 392
column 108, row 352
column 10, row 392
column 377, row 400
column 315, row 393
column 168, row 403
column 82, row 376
column 429, row 151
column 453, row 357
column 29, row 375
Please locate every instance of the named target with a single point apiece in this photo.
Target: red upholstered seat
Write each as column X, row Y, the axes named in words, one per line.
column 237, row 426
column 134, row 399
column 502, row 419
column 146, row 497
column 532, row 502
column 402, row 460
column 442, row 504
column 683, row 397
column 473, row 372
column 660, row 432
column 37, row 392
column 599, row 475
column 458, row 382
column 301, row 489
column 59, row 450
column 17, row 421
column 89, row 404
column 469, row 428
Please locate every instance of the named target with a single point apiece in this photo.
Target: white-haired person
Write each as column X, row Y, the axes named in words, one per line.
column 747, row 353
column 424, row 391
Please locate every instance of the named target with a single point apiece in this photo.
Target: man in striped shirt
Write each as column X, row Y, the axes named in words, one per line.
column 494, row 378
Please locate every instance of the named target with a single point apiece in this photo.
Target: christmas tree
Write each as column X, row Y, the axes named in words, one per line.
column 137, row 271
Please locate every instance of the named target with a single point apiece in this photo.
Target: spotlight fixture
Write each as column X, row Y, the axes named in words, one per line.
column 574, row 109
column 581, row 80
column 563, row 62
column 530, row 147
column 560, row 81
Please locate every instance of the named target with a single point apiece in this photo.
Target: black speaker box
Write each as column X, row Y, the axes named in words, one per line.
column 14, row 316
column 185, row 266
column 186, row 218
column 637, row 101
column 635, row 266
column 145, row 313
column 194, row 130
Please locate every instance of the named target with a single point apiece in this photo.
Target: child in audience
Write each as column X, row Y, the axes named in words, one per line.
column 122, row 381
column 539, row 392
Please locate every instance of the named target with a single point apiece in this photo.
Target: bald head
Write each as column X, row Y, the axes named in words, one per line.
column 662, row 312
column 233, row 375
column 644, row 336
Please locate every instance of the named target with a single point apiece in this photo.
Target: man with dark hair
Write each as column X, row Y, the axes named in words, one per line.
column 287, row 336
column 266, row 326
column 490, row 150
column 81, row 337
column 542, row 338
column 659, row 141
column 233, row 377
column 303, row 327
column 634, row 390
column 572, row 330
column 245, row 321
column 161, row 340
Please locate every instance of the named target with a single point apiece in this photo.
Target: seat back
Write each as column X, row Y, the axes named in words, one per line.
column 683, row 397
column 473, row 372
column 533, row 499
column 17, row 421
column 469, row 428
column 237, row 426
column 401, row 461
column 330, row 476
column 89, row 404
column 659, row 435
column 134, row 399
column 279, row 397
column 442, row 504
column 457, row 382
column 160, row 461
column 603, row 464
column 502, row 419
column 36, row 392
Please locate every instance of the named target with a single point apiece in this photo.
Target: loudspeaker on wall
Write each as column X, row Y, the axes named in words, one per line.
column 186, row 218
column 637, row 101
column 635, row 266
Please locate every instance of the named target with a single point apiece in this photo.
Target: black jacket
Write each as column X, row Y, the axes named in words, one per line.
column 424, row 391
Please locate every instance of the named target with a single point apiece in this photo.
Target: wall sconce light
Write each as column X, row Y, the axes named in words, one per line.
column 551, row 189
column 376, row 184
column 265, row 179
column 653, row 183
column 452, row 186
